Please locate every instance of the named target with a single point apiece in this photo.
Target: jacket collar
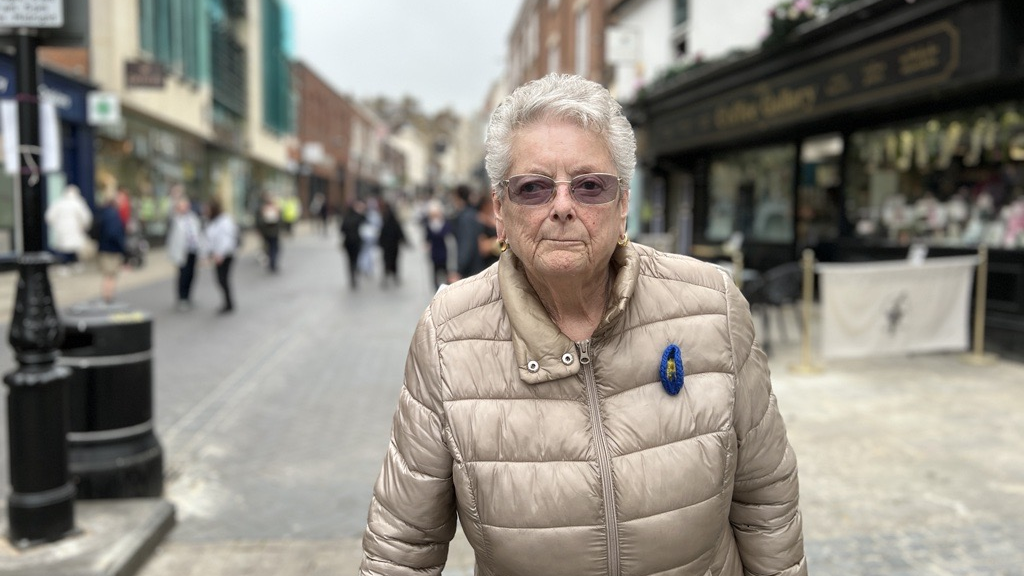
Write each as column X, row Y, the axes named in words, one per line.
column 542, row 352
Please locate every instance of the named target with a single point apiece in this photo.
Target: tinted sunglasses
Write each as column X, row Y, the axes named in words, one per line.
column 534, row 189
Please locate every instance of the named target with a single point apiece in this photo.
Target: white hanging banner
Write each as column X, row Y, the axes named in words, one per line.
column 11, row 136
column 51, row 154
column 895, row 307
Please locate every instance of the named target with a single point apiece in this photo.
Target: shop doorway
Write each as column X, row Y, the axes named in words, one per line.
column 821, row 204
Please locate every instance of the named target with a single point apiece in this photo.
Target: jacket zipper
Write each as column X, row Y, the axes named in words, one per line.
column 604, row 461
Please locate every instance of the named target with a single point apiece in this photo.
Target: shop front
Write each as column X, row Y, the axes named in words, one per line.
column 896, row 124
column 148, row 158
column 76, row 141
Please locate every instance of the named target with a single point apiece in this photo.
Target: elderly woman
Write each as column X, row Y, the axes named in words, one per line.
column 587, row 405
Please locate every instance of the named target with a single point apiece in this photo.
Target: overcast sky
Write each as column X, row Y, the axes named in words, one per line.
column 445, row 53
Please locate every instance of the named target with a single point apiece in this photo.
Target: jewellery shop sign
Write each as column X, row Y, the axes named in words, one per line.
column 898, row 66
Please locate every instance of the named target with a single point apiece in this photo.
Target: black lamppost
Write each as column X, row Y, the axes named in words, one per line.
column 40, row 507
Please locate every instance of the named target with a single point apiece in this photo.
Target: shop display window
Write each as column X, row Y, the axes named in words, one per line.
column 749, row 192
column 953, row 180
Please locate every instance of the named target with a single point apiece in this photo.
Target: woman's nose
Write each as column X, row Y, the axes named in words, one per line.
column 563, row 203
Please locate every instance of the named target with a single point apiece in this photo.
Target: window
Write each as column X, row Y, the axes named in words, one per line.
column 276, row 73
column 583, row 41
column 533, row 38
column 681, row 12
column 172, row 32
column 956, row 179
column 680, row 27
column 554, row 65
column 749, row 192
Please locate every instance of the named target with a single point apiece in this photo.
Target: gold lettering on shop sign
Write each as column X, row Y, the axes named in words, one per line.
column 873, row 73
column 736, row 113
column 788, row 101
column 838, row 84
column 919, row 58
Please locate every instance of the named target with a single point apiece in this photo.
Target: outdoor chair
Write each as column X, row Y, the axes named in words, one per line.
column 776, row 288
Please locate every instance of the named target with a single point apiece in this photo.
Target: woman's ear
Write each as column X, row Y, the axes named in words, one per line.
column 499, row 221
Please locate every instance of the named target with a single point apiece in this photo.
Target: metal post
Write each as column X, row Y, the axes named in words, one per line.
column 40, row 507
column 978, row 357
column 806, row 366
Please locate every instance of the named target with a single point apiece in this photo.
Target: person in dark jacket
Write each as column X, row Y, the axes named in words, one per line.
column 437, row 230
column 466, row 228
column 392, row 238
column 269, row 223
column 110, row 244
column 351, row 222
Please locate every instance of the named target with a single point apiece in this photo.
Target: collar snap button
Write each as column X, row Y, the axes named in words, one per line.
column 532, row 366
column 567, row 359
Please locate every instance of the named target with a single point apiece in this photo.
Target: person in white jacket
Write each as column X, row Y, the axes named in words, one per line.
column 184, row 247
column 69, row 219
column 221, row 241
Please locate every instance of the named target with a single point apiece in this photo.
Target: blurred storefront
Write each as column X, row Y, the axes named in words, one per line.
column 148, row 158
column 77, row 166
column 894, row 123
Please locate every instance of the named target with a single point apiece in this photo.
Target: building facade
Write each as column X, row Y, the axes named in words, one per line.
column 564, row 36
column 649, row 39
column 883, row 125
column 205, row 95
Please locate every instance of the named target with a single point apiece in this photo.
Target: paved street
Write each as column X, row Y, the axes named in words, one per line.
column 274, row 421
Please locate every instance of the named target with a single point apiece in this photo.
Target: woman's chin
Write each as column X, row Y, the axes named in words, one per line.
column 563, row 264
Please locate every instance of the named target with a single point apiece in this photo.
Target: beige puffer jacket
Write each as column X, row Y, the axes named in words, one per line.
column 570, row 468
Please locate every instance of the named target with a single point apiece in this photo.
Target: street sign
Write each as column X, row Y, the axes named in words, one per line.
column 31, row 13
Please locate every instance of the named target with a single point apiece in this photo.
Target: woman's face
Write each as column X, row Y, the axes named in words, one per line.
column 562, row 236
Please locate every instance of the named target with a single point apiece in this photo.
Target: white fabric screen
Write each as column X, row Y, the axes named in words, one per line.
column 895, row 307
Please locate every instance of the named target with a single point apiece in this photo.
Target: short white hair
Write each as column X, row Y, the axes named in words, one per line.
column 586, row 104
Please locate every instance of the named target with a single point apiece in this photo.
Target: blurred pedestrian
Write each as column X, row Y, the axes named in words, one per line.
column 487, row 241
column 135, row 244
column 184, row 247
column 392, row 238
column 289, row 213
column 124, row 204
column 352, row 222
column 318, row 209
column 437, row 230
column 109, row 244
column 369, row 232
column 466, row 229
column 69, row 219
column 222, row 241
column 268, row 224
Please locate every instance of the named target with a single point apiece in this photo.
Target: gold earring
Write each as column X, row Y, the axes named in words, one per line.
column 623, row 239
column 502, row 245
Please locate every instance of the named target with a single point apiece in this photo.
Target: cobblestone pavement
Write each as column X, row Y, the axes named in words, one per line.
column 274, row 423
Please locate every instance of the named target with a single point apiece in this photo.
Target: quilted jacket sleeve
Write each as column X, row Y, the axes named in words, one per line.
column 412, row 514
column 765, row 515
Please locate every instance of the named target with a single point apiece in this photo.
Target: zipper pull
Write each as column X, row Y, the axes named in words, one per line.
column 584, row 348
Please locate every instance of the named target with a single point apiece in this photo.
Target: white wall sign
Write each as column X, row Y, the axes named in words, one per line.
column 31, row 13
column 621, row 45
column 103, row 108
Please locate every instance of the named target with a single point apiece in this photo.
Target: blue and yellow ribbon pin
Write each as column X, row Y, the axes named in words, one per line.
column 672, row 370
